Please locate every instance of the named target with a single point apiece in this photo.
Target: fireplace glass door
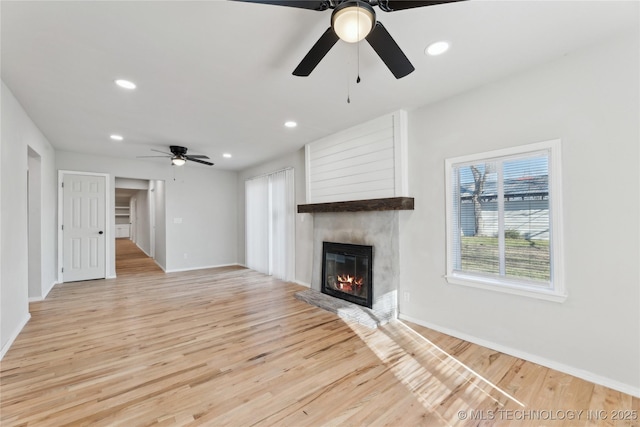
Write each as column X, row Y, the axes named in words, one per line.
column 347, row 272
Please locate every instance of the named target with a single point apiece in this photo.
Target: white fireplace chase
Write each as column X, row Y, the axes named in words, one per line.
column 356, row 185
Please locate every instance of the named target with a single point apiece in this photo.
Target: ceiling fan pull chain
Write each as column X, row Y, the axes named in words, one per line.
column 358, row 46
column 348, row 83
column 358, row 59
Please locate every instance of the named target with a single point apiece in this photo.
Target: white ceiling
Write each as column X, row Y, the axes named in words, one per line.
column 215, row 76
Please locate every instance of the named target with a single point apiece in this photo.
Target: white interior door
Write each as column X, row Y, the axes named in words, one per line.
column 83, row 227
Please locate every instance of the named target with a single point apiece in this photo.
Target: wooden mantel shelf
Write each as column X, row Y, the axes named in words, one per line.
column 387, row 204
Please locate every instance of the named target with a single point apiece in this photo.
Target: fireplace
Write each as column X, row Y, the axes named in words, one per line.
column 347, row 272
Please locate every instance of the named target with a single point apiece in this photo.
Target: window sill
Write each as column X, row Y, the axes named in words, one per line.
column 492, row 285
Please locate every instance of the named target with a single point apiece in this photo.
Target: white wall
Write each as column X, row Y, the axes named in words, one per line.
column 18, row 134
column 34, row 223
column 160, row 248
column 304, row 222
column 143, row 227
column 133, row 184
column 590, row 100
column 202, row 197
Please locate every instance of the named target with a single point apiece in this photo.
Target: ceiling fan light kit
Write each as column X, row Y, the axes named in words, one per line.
column 352, row 21
column 178, row 160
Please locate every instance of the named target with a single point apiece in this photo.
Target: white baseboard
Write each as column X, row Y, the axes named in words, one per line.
column 49, row 289
column 14, row 335
column 158, row 264
column 177, row 270
column 145, row 252
column 576, row 372
column 43, row 297
column 298, row 282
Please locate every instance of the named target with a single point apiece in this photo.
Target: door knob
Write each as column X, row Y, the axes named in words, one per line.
column 100, row 232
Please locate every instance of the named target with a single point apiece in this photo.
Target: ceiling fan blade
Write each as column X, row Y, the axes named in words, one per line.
column 302, row 4
column 148, row 157
column 198, row 156
column 163, row 152
column 393, row 5
column 317, row 52
column 190, row 158
column 389, row 51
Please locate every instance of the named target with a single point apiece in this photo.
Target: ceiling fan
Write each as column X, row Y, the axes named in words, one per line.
column 179, row 156
column 352, row 21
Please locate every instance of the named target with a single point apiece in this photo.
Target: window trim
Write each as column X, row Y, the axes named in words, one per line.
column 557, row 291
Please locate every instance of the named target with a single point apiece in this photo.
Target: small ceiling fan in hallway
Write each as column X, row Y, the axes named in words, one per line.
column 179, row 156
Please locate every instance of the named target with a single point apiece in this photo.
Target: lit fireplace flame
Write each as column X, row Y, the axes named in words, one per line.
column 347, row 282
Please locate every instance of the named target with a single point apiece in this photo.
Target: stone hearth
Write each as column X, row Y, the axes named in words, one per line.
column 345, row 309
column 378, row 229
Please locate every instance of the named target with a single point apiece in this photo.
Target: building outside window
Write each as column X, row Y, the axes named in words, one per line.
column 504, row 220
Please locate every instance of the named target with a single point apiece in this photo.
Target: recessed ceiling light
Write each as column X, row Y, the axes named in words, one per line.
column 117, row 137
column 437, row 48
column 126, row 84
column 226, row 155
column 290, row 124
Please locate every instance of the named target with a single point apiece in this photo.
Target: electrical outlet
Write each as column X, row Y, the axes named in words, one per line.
column 407, row 296
column 186, row 255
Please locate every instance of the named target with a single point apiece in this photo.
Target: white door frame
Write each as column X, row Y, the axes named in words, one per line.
column 151, row 201
column 34, row 224
column 133, row 219
column 107, row 208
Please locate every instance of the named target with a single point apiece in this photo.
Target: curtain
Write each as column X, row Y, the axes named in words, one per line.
column 282, row 224
column 257, row 224
column 270, row 228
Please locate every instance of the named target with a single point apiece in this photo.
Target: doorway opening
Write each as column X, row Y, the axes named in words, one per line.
column 34, row 221
column 139, row 225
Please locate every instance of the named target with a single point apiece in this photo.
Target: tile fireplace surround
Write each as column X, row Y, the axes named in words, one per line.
column 377, row 228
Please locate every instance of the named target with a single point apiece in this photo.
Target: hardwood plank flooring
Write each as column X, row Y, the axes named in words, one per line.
column 130, row 259
column 232, row 347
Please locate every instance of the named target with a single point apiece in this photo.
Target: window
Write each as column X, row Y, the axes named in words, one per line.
column 504, row 221
column 270, row 226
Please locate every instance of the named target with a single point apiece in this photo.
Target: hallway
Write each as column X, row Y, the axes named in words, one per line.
column 130, row 260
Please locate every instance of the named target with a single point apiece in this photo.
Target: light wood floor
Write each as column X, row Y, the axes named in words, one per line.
column 233, row 347
column 131, row 260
